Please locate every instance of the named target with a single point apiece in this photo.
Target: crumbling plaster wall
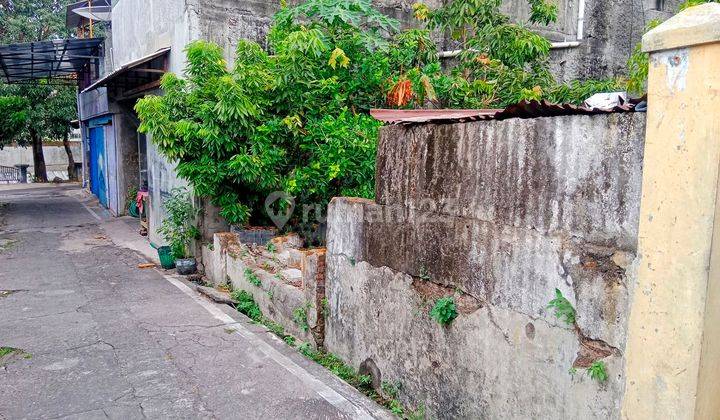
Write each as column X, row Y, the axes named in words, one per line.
column 498, row 214
column 227, row 21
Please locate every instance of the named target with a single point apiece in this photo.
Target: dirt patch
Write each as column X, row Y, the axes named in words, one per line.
column 430, row 291
column 6, row 293
column 593, row 350
column 77, row 241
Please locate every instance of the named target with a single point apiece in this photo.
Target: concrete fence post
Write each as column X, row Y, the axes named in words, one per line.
column 673, row 349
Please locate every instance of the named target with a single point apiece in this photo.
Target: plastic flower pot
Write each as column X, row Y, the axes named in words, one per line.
column 186, row 266
column 167, row 261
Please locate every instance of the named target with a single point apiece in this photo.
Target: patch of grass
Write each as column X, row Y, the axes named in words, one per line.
column 391, row 390
column 289, row 340
column 6, row 352
column 274, row 327
column 271, row 294
column 563, row 308
column 444, row 311
column 271, row 248
column 417, row 414
column 230, row 330
column 335, row 365
column 362, row 382
column 598, row 371
column 252, row 278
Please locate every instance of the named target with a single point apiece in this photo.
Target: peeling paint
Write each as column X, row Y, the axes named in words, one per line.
column 676, row 63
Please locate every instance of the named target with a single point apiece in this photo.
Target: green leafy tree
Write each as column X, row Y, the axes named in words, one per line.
column 501, row 62
column 13, row 117
column 50, row 108
column 294, row 121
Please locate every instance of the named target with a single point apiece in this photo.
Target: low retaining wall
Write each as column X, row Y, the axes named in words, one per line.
column 287, row 283
column 497, row 215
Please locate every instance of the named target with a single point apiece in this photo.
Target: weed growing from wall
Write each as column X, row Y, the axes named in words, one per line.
column 444, row 311
column 362, row 382
column 563, row 308
column 246, row 305
column 300, row 317
column 325, row 307
column 565, row 311
column 252, row 278
column 598, row 371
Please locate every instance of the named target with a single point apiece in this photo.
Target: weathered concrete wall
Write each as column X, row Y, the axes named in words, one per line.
column 612, row 29
column 56, row 159
column 497, row 214
column 290, row 279
column 141, row 27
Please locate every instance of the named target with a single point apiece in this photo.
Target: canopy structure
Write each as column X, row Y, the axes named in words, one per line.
column 136, row 76
column 63, row 60
column 79, row 13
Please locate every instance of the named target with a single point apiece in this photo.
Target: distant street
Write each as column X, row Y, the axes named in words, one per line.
column 98, row 337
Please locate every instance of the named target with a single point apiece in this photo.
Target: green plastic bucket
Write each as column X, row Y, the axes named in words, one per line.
column 133, row 209
column 167, row 261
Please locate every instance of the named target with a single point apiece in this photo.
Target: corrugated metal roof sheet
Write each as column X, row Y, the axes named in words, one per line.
column 524, row 109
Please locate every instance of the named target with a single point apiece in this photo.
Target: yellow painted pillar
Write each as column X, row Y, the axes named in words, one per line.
column 673, row 349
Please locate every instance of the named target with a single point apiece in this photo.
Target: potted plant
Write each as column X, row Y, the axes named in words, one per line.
column 178, row 230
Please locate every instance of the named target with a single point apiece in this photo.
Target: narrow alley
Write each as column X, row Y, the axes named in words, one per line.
column 98, row 337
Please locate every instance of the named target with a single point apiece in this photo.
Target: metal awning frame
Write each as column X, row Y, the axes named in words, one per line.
column 49, row 59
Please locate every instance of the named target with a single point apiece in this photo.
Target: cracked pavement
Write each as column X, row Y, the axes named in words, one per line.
column 108, row 340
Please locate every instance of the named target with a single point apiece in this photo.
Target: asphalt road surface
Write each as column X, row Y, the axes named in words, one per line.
column 97, row 337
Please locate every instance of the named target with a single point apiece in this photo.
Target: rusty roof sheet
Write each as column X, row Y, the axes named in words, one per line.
column 523, row 109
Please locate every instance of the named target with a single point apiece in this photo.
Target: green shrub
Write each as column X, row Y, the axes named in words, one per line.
column 177, row 228
column 444, row 311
